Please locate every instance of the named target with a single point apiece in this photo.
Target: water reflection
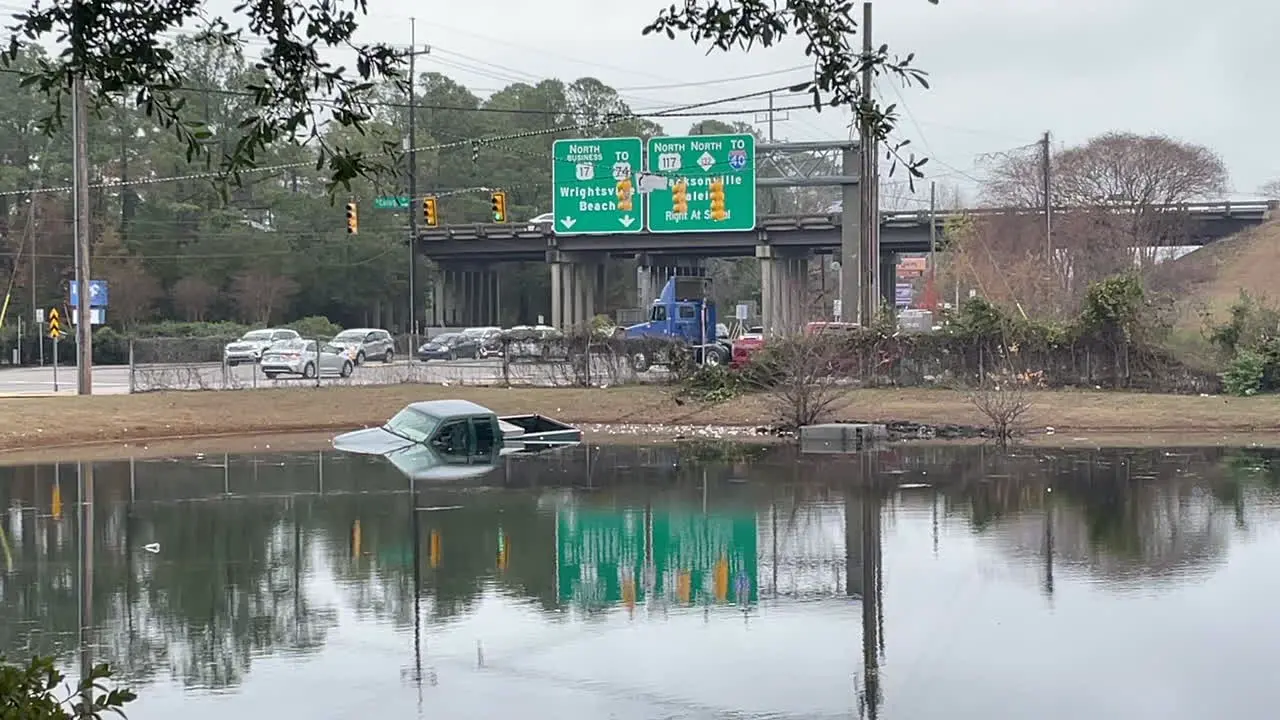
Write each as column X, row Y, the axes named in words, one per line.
column 654, row 580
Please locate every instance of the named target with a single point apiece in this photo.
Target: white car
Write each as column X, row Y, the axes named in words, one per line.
column 248, row 349
column 298, row 357
column 545, row 221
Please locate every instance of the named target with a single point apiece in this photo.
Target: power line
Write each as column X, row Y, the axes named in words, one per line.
column 474, row 143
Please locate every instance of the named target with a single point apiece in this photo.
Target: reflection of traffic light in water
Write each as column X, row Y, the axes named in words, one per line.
column 720, row 579
column 684, row 586
column 433, row 553
column 355, row 539
column 56, row 505
column 629, row 591
column 503, row 544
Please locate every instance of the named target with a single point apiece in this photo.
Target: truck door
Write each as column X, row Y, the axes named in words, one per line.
column 687, row 325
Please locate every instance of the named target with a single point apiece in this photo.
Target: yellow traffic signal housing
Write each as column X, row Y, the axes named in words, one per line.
column 498, row 202
column 680, row 197
column 353, row 219
column 718, row 212
column 429, row 211
column 624, row 191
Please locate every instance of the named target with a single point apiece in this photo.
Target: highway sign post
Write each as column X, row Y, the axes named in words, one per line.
column 391, row 202
column 593, row 181
column 711, row 184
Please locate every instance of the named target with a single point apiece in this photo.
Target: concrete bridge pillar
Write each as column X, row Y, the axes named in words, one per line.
column 465, row 295
column 784, row 289
column 889, row 282
column 654, row 271
column 576, row 286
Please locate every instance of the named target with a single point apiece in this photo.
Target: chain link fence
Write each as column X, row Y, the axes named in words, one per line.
column 508, row 360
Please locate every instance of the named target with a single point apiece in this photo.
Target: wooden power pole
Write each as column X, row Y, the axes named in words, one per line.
column 869, row 187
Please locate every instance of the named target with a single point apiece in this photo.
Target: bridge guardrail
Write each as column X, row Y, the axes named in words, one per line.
column 1260, row 209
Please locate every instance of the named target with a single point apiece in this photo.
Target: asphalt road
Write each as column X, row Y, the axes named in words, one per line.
column 114, row 379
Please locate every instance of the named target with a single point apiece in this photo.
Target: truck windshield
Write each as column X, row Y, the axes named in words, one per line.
column 411, row 425
column 658, row 314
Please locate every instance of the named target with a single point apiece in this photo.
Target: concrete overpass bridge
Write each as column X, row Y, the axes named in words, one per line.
column 783, row 243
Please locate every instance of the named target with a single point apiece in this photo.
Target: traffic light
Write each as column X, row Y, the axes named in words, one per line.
column 429, row 215
column 718, row 212
column 680, row 197
column 353, row 220
column 624, row 194
column 498, row 201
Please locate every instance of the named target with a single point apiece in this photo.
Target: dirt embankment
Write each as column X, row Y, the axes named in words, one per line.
column 31, row 423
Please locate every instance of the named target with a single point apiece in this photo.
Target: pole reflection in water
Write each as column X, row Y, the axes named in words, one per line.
column 84, row 472
column 864, row 581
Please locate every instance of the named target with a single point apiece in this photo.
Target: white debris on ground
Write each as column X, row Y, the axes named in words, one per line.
column 678, row 431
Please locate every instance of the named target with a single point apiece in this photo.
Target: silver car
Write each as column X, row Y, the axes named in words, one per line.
column 298, row 357
column 248, row 349
column 366, row 343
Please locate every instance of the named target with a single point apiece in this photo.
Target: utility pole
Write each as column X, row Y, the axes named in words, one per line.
column 80, row 183
column 869, row 186
column 933, row 230
column 1046, row 168
column 414, row 208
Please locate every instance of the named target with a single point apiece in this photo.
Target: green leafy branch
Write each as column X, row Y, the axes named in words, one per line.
column 117, row 48
column 828, row 29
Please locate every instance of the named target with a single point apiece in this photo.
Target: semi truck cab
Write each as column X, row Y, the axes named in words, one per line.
column 684, row 313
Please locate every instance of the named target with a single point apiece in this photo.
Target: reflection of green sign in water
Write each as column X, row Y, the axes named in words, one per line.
column 601, row 556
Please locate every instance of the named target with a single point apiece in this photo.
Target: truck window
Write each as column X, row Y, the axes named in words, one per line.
column 486, row 437
column 659, row 313
column 688, row 312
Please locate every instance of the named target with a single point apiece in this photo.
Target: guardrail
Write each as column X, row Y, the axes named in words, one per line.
column 1257, row 210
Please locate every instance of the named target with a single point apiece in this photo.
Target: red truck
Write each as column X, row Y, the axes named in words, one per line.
column 752, row 340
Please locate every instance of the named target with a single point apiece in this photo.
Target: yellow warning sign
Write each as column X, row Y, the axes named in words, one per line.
column 55, row 324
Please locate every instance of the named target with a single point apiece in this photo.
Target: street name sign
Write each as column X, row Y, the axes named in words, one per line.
column 711, row 184
column 391, row 202
column 594, row 186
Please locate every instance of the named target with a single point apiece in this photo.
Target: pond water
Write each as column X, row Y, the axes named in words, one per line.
column 661, row 582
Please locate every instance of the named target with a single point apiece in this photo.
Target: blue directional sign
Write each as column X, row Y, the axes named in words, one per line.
column 97, row 293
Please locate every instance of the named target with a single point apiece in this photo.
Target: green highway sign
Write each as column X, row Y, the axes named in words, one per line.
column 391, row 202
column 593, row 181
column 711, row 184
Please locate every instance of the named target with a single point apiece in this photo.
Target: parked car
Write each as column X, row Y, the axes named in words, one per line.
column 535, row 342
column 363, row 343
column 298, row 357
column 449, row 346
column 248, row 349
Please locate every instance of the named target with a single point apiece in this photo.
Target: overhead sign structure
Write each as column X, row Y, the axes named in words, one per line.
column 711, row 183
column 594, row 186
column 391, row 202
column 97, row 294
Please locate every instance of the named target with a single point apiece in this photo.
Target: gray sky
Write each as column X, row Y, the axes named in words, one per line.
column 1002, row 71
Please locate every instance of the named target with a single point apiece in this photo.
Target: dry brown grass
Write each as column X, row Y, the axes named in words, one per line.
column 48, row 422
column 1218, row 272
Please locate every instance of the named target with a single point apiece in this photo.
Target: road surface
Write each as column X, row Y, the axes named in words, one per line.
column 115, row 379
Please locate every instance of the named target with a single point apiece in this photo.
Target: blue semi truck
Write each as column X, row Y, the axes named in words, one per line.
column 685, row 315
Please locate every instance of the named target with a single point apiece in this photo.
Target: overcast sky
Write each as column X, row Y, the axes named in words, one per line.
column 1003, row 71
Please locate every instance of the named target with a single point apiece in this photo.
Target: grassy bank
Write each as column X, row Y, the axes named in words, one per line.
column 46, row 422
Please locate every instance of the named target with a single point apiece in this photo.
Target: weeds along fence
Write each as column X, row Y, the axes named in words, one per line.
column 931, row 359
column 512, row 360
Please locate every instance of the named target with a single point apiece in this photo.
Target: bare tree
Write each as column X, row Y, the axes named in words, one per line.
column 193, row 296
column 133, row 291
column 1270, row 190
column 260, row 295
column 1002, row 399
column 796, row 375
